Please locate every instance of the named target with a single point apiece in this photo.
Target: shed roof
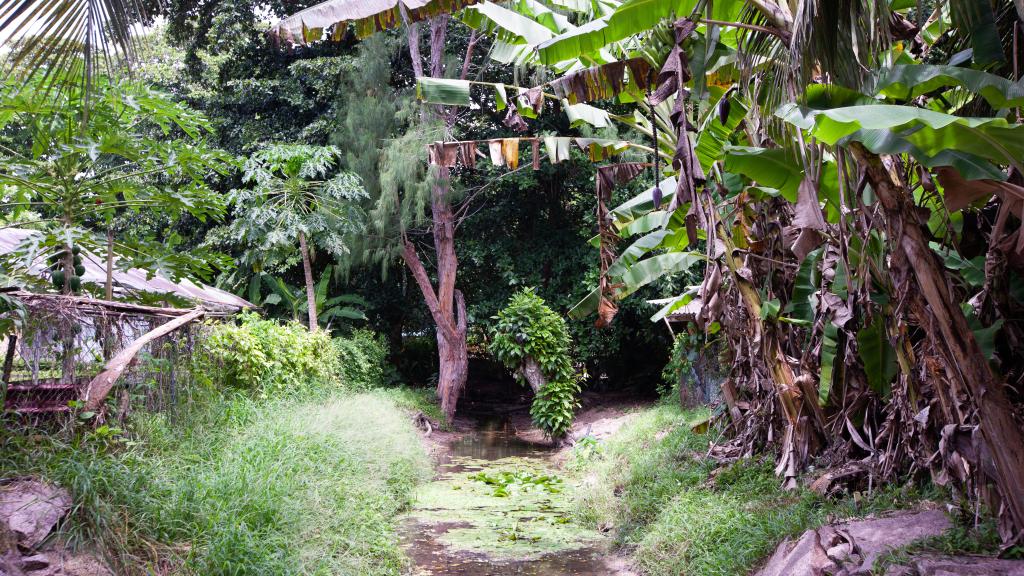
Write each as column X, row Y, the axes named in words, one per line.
column 134, row 279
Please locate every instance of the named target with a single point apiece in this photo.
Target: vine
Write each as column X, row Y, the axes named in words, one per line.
column 533, row 341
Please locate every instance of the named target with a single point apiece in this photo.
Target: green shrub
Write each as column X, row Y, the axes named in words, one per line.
column 362, row 357
column 271, row 358
column 527, row 329
column 266, row 356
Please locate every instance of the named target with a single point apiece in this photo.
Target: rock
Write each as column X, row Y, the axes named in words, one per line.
column 873, row 537
column 30, row 509
column 63, row 563
column 36, row 562
column 967, row 566
column 852, row 547
column 807, row 557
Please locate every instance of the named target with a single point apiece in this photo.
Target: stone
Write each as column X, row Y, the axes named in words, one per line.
column 805, row 557
column 967, row 566
column 31, row 509
column 873, row 537
column 852, row 546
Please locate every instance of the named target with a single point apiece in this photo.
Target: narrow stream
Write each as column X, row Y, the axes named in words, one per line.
column 458, row 526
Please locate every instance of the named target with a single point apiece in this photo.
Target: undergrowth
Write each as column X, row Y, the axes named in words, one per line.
column 678, row 514
column 236, row 486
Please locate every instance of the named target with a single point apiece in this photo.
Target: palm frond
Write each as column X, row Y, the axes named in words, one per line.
column 61, row 42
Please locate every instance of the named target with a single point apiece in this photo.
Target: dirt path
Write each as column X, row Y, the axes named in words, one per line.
column 497, row 506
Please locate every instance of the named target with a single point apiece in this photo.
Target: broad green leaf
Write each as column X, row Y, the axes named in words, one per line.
column 586, row 306
column 910, row 81
column 673, row 239
column 443, row 91
column 925, row 134
column 976, row 19
column 630, row 18
column 801, row 303
column 829, row 347
column 650, row 269
column 714, row 136
column 509, row 26
column 643, row 202
column 770, row 309
column 878, row 356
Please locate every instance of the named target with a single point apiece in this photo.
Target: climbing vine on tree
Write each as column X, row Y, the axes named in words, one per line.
column 533, row 341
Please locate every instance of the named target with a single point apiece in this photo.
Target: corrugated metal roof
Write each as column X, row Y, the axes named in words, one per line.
column 133, row 280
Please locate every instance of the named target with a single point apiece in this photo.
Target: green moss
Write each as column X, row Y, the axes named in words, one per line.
column 528, row 519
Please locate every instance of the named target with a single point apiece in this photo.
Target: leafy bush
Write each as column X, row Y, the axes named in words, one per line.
column 267, row 356
column 361, row 357
column 527, row 329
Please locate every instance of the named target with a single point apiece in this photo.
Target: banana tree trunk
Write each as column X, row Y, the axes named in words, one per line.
column 1000, row 431
column 307, row 270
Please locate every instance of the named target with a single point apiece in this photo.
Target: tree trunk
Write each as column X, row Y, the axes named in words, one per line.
column 108, row 288
column 999, row 429
column 532, row 373
column 307, row 270
column 446, row 303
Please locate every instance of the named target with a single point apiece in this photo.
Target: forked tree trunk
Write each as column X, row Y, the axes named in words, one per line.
column 1000, row 431
column 307, row 270
column 446, row 303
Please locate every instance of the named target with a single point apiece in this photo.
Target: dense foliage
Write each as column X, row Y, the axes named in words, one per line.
column 272, row 358
column 527, row 331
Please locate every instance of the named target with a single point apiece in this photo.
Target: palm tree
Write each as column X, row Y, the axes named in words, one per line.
column 70, row 39
column 290, row 201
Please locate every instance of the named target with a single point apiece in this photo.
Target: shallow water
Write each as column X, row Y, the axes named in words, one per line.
column 458, row 528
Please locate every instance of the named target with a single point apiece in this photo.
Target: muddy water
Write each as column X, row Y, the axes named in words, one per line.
column 458, row 527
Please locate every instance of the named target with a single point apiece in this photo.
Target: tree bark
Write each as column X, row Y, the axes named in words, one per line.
column 108, row 288
column 446, row 303
column 999, row 429
column 101, row 385
column 307, row 270
column 532, row 373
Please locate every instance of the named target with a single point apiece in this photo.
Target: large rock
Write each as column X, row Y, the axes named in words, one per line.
column 851, row 547
column 958, row 566
column 30, row 509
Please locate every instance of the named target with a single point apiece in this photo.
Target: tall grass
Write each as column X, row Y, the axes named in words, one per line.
column 678, row 514
column 237, row 486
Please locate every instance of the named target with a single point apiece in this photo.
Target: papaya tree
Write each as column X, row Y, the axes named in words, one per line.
column 138, row 153
column 297, row 197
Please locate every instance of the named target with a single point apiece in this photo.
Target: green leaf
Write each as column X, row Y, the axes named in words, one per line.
column 878, row 356
column 770, row 309
column 630, row 18
column 906, row 82
column 928, row 135
column 650, row 269
column 443, row 91
column 509, row 26
column 579, row 114
column 714, row 136
column 829, row 346
column 586, row 306
column 801, row 304
column 975, row 18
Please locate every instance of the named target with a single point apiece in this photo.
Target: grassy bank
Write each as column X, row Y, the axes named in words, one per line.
column 677, row 514
column 238, row 486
